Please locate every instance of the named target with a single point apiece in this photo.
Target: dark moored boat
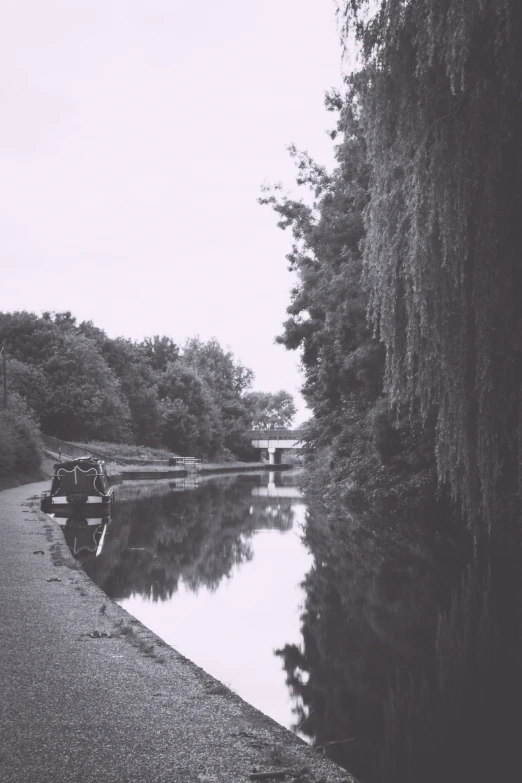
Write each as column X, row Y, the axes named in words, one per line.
column 77, row 484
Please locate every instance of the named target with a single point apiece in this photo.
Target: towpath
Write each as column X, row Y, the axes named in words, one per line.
column 88, row 695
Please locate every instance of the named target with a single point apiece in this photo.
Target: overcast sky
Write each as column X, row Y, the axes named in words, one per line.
column 135, row 136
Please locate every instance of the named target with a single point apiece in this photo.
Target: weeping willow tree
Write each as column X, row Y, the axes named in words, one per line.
column 439, row 92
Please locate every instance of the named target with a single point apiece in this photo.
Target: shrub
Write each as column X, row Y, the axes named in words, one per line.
column 20, row 449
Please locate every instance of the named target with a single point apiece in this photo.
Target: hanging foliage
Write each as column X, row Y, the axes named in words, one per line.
column 439, row 92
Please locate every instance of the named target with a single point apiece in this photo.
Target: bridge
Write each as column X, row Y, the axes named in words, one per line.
column 275, row 442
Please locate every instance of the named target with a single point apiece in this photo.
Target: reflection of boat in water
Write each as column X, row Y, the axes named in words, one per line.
column 76, row 484
column 84, row 535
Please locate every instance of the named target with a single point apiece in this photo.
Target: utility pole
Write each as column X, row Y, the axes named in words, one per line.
column 4, row 368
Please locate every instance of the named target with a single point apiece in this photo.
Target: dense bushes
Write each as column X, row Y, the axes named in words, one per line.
column 19, row 443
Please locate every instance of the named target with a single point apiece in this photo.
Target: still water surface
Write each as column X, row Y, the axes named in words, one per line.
column 215, row 570
column 376, row 633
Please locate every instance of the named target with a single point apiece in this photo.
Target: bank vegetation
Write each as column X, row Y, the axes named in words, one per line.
column 74, row 382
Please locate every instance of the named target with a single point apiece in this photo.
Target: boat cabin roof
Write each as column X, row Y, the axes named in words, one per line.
column 84, row 463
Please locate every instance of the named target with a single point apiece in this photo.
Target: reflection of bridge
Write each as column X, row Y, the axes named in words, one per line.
column 275, row 441
column 271, row 491
column 275, row 501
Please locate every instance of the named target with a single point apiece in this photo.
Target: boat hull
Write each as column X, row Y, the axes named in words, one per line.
column 64, row 503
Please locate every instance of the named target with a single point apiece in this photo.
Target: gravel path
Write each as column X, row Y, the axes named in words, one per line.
column 88, row 694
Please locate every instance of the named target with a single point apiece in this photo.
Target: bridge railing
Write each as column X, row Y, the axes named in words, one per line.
column 280, row 433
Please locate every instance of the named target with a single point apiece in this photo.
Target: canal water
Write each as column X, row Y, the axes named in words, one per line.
column 375, row 634
column 215, row 568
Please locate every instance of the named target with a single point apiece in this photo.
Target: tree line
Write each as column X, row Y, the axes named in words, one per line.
column 408, row 311
column 79, row 384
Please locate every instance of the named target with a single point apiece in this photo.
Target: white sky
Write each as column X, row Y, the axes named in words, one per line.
column 135, row 136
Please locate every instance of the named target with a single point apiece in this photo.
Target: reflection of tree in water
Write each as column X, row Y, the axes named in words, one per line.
column 406, row 652
column 199, row 536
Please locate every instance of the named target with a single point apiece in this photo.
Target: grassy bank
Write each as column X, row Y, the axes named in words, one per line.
column 124, row 450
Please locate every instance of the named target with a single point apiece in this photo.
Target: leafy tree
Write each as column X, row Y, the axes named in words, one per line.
column 222, row 371
column 228, row 380
column 190, row 423
column 343, row 363
column 29, row 382
column 132, row 367
column 85, row 400
column 270, row 410
column 160, row 351
column 356, row 445
column 63, row 320
column 138, row 383
column 27, row 337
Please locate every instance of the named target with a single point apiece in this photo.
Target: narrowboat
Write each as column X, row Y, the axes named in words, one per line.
column 79, row 484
